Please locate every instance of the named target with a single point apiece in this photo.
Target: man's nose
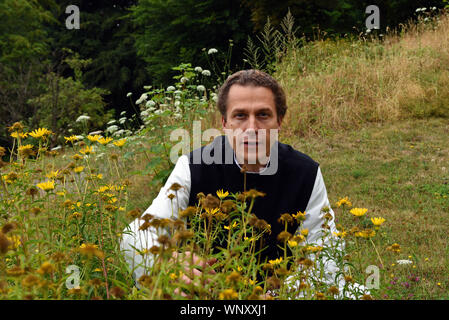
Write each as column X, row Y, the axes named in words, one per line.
column 252, row 124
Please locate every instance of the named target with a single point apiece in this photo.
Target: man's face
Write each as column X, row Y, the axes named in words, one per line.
column 250, row 115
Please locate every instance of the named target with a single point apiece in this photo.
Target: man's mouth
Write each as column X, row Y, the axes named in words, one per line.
column 250, row 143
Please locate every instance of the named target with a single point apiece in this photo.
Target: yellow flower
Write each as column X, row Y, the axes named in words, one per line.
column 340, row 234
column 228, row 294
column 52, row 174
column 46, row 186
column 276, row 261
column 395, row 248
column 305, row 232
column 358, row 212
column 344, row 202
column 94, row 138
column 103, row 189
column 78, row 169
column 300, row 216
column 15, row 242
column 26, row 149
column 17, row 135
column 120, row 143
column 71, row 139
column 40, row 133
column 211, row 212
column 292, row 243
column 314, row 248
column 62, row 193
column 76, row 214
column 87, row 150
column 104, row 141
column 231, row 226
column 377, row 221
column 367, row 233
column 173, row 276
column 222, row 194
column 91, row 250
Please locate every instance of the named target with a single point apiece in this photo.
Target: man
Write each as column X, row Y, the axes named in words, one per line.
column 252, row 105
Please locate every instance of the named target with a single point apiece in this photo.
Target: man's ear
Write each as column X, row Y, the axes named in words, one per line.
column 280, row 121
column 223, row 122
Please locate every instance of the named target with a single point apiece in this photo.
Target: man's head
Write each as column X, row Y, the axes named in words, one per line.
column 255, row 78
column 252, row 105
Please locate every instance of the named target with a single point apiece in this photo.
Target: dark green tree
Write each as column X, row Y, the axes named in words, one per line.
column 24, row 50
column 170, row 32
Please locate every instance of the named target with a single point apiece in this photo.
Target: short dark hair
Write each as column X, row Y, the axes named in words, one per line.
column 256, row 78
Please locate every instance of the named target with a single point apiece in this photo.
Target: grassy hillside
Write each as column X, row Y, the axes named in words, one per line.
column 343, row 84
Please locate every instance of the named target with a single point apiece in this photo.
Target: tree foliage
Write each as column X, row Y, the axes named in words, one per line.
column 175, row 31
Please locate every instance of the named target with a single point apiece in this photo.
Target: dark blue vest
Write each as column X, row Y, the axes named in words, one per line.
column 287, row 191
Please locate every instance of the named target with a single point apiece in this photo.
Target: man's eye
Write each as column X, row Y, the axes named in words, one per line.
column 240, row 115
column 263, row 115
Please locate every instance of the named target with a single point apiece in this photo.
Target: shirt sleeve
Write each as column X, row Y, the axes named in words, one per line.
column 135, row 240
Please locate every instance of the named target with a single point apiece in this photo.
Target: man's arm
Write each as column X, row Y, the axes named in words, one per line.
column 313, row 222
column 162, row 207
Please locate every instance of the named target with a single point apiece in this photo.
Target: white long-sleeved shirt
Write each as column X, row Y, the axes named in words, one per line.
column 162, row 207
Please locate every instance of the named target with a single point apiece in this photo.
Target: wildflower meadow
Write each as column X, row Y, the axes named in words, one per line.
column 65, row 209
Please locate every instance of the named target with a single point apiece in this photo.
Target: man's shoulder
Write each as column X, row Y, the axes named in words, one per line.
column 291, row 156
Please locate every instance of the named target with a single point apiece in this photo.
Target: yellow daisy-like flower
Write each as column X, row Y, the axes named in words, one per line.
column 15, row 242
column 104, row 141
column 94, row 138
column 173, row 276
column 87, row 150
column 71, row 139
column 103, row 189
column 367, row 233
column 276, row 261
column 228, row 294
column 305, row 232
column 46, row 186
column 221, row 194
column 340, row 234
column 52, row 174
column 300, row 216
column 40, row 133
column 78, row 169
column 17, row 135
column 377, row 221
column 120, row 143
column 358, row 212
column 231, row 226
column 26, row 150
column 344, row 202
column 292, row 243
column 210, row 211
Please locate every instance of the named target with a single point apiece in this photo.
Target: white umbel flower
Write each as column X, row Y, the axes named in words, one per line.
column 200, row 88
column 82, row 118
column 142, row 98
column 171, row 88
column 212, row 51
column 404, row 262
column 199, row 69
column 150, row 104
column 112, row 129
column 206, row 73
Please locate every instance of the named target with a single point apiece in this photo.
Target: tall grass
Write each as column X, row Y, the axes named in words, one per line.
column 344, row 83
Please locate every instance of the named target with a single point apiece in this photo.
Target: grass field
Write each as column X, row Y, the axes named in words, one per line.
column 399, row 171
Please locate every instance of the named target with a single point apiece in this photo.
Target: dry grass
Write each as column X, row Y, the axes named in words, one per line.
column 342, row 84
